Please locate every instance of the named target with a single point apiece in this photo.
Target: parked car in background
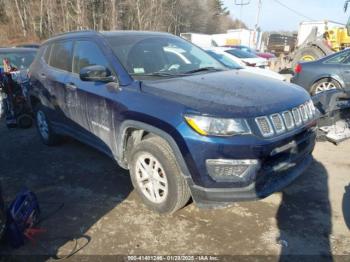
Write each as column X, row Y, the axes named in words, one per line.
column 20, row 58
column 233, row 62
column 28, row 45
column 177, row 118
column 265, row 55
column 330, row 72
column 247, row 58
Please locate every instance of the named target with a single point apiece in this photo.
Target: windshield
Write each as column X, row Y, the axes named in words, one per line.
column 145, row 55
column 224, row 60
column 19, row 60
column 241, row 54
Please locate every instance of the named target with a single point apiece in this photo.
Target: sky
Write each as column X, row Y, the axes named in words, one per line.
column 274, row 16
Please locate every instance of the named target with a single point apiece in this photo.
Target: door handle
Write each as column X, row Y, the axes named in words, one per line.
column 71, row 86
column 42, row 76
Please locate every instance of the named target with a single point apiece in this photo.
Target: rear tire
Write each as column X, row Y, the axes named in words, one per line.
column 323, row 85
column 43, row 124
column 156, row 176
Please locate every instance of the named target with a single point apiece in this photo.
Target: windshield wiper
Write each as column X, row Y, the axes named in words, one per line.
column 209, row 68
column 160, row 74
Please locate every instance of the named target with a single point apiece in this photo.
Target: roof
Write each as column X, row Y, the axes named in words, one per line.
column 17, row 49
column 88, row 33
column 134, row 32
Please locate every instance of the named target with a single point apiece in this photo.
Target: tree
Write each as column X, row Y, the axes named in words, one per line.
column 33, row 20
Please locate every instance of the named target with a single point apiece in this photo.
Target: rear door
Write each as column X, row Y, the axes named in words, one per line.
column 55, row 76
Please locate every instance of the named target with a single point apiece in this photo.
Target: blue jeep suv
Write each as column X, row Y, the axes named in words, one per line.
column 183, row 124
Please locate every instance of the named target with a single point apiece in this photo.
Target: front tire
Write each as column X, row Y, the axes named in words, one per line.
column 46, row 133
column 156, row 176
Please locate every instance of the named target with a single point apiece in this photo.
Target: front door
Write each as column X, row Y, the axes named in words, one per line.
column 96, row 109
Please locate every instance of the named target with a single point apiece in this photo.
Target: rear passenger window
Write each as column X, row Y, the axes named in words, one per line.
column 87, row 53
column 340, row 58
column 47, row 54
column 61, row 55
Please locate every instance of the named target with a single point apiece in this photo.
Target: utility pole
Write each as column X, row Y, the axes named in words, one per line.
column 241, row 3
column 258, row 15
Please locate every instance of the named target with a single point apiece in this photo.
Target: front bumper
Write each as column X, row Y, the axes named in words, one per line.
column 283, row 166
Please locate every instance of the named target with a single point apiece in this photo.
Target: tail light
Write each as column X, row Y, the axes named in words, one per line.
column 298, row 68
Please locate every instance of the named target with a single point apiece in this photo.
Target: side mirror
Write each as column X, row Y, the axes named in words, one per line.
column 96, row 73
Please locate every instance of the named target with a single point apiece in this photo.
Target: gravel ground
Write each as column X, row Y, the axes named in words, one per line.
column 102, row 210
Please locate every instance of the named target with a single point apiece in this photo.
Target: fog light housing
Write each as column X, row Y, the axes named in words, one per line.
column 233, row 170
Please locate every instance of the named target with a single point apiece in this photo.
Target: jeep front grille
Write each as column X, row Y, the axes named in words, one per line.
column 279, row 123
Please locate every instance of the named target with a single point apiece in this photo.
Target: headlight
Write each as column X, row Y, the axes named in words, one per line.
column 211, row 126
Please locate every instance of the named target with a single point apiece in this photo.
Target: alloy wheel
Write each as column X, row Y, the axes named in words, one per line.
column 324, row 86
column 151, row 178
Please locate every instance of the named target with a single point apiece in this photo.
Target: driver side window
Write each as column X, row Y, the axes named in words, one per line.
column 87, row 53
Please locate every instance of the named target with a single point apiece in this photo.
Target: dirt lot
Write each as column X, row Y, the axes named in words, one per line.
column 100, row 206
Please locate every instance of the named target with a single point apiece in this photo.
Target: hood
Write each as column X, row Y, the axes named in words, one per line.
column 264, row 72
column 232, row 93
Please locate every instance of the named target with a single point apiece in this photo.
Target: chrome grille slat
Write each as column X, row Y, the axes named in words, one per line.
column 297, row 116
column 288, row 120
column 277, row 122
column 264, row 126
column 308, row 110
column 303, row 112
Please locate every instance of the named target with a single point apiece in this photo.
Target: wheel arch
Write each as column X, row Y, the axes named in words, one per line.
column 138, row 130
column 325, row 76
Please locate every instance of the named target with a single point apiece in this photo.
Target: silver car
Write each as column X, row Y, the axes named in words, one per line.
column 330, row 72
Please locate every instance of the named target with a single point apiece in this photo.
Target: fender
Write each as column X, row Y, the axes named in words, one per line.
column 334, row 76
column 121, row 142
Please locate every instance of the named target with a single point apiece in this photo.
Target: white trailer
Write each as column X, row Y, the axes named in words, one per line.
column 245, row 37
column 201, row 40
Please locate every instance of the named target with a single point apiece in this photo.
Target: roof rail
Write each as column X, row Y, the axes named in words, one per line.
column 77, row 31
column 61, row 35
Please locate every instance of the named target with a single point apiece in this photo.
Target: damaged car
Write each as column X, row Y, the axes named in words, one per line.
column 183, row 124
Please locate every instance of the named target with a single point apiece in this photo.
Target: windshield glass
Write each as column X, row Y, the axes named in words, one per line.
column 224, row 60
column 246, row 49
column 19, row 60
column 241, row 54
column 145, row 55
